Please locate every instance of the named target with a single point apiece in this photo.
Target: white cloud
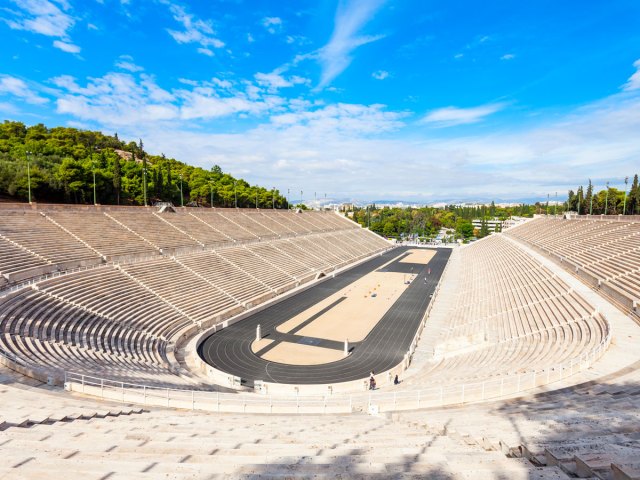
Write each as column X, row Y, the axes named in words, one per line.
column 272, row 24
column 450, row 116
column 205, row 51
column 45, row 17
column 275, row 80
column 507, row 56
column 634, row 80
column 18, row 88
column 195, row 30
column 66, row 47
column 380, row 74
column 458, row 56
column 125, row 62
column 250, row 38
column 351, row 17
column 115, row 99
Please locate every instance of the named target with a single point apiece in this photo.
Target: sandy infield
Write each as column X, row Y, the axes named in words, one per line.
column 299, row 354
column 419, row 255
column 260, row 344
column 356, row 316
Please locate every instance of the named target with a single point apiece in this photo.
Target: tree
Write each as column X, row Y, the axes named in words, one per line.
column 117, row 177
column 634, row 197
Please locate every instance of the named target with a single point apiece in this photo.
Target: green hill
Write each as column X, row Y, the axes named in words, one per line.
column 61, row 163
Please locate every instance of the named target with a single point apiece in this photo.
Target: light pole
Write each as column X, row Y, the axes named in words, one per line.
column 546, row 211
column 93, row 161
column 273, row 197
column 256, row 197
column 211, row 186
column 235, row 192
column 300, row 197
column 606, row 201
column 555, row 207
column 144, row 185
column 288, row 195
column 28, row 175
column 591, row 200
column 624, row 205
column 181, row 196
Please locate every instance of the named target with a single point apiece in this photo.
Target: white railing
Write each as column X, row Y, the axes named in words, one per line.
column 506, row 385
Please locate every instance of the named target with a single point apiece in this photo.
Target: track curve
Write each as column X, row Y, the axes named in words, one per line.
column 229, row 349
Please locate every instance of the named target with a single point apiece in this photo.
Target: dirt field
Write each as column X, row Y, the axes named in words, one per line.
column 351, row 313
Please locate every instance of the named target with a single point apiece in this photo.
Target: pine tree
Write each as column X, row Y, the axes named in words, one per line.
column 634, row 197
column 117, row 177
column 588, row 199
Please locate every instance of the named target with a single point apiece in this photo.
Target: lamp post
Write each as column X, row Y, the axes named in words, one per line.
column 288, row 195
column 95, row 202
column 301, row 197
column 555, row 207
column 546, row 211
column 211, row 186
column 181, row 196
column 624, row 205
column 256, row 197
column 606, row 201
column 28, row 175
column 235, row 192
column 273, row 197
column 591, row 200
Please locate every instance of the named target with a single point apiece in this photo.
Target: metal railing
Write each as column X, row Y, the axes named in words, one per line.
column 463, row 393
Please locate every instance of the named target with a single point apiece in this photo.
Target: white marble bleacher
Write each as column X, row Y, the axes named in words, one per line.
column 223, row 222
column 275, row 254
column 200, row 231
column 110, row 293
column 266, row 273
column 186, row 445
column 43, row 331
column 32, row 232
column 90, row 226
column 609, row 250
column 255, row 222
column 198, row 297
column 235, row 282
column 591, row 430
column 508, row 314
column 14, row 259
column 153, row 229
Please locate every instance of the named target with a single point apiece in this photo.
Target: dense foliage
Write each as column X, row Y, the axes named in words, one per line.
column 61, row 163
column 609, row 201
column 426, row 222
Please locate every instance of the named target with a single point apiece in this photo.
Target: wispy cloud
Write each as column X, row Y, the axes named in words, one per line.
column 195, row 30
column 351, row 17
column 275, row 80
column 18, row 88
column 125, row 62
column 507, row 56
column 450, row 116
column 634, row 80
column 380, row 74
column 66, row 46
column 272, row 24
column 45, row 17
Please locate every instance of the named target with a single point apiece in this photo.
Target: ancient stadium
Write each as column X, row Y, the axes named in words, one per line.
column 182, row 343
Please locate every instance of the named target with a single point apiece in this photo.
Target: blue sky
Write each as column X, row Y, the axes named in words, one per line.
column 363, row 99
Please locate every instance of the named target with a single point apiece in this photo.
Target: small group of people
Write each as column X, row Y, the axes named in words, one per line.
column 372, row 380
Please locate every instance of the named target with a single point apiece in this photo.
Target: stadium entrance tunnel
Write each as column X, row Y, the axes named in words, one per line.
column 332, row 334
